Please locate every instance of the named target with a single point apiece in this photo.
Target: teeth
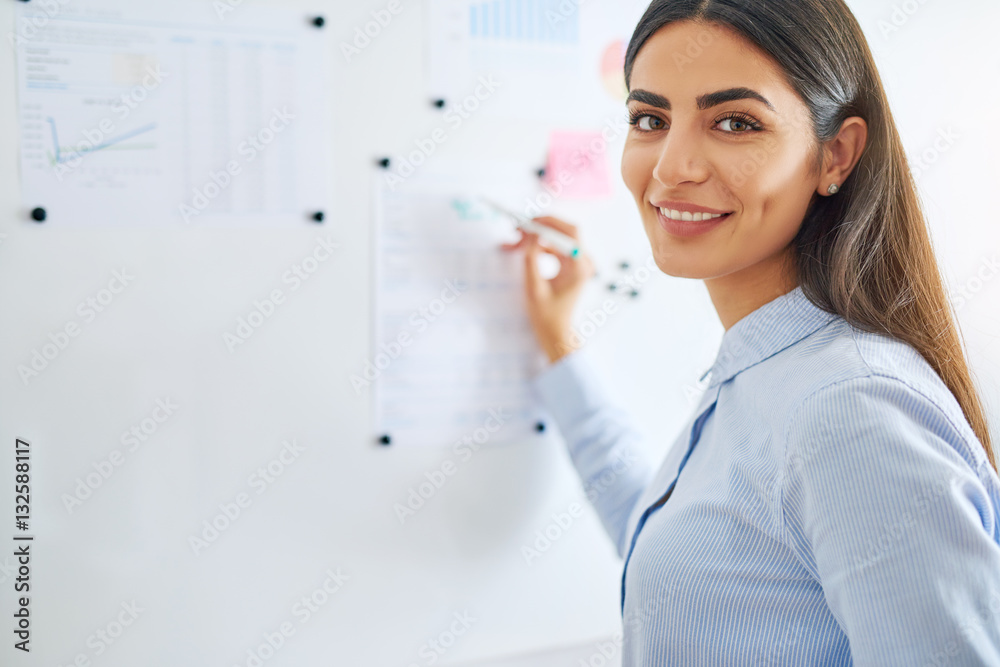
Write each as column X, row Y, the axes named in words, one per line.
column 687, row 216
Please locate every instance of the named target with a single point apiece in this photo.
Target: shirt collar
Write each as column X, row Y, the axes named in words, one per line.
column 766, row 331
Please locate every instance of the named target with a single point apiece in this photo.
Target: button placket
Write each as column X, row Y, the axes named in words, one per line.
column 696, row 429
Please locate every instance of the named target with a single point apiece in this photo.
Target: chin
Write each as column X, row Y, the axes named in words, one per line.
column 681, row 263
column 671, row 264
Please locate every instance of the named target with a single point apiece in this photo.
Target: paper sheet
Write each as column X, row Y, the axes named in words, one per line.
column 453, row 346
column 523, row 47
column 175, row 116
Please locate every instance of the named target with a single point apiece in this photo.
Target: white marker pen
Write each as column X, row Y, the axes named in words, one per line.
column 560, row 242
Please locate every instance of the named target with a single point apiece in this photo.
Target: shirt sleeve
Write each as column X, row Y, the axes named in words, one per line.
column 603, row 442
column 890, row 507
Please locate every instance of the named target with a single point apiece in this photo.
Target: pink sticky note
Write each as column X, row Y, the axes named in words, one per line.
column 578, row 165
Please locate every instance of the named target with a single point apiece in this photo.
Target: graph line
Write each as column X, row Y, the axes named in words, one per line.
column 110, row 142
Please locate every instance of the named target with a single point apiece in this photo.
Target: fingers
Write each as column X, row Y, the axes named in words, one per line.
column 518, row 244
column 549, row 221
column 561, row 225
column 531, row 275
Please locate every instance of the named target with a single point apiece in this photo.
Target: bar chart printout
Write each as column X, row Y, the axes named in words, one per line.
column 530, row 49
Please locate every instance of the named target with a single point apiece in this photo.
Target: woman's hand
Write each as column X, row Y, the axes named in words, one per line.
column 551, row 302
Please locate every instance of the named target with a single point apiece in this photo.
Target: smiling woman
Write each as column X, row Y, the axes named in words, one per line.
column 773, row 168
column 834, row 497
column 743, row 151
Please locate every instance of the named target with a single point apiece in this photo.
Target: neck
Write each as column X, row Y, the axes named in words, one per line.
column 738, row 294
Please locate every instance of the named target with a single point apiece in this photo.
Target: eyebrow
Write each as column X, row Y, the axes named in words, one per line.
column 705, row 101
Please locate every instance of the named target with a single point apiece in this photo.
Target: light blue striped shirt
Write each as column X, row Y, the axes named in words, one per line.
column 829, row 504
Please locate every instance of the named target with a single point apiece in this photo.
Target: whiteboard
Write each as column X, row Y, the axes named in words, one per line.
column 274, row 431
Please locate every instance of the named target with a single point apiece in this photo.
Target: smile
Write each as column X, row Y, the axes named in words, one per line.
column 686, row 216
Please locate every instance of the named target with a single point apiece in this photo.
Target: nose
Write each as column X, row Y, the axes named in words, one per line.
column 682, row 158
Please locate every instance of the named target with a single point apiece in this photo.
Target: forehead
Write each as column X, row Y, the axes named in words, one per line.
column 685, row 59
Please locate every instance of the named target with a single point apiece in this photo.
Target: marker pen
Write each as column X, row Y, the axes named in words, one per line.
column 558, row 241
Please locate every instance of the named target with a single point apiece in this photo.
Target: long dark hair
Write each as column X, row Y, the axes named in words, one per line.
column 864, row 254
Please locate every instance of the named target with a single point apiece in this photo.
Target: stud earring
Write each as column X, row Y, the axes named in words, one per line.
column 833, row 189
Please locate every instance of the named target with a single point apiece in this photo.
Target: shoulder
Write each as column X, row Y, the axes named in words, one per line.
column 871, row 387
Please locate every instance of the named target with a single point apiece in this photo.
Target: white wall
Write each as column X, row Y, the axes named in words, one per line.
column 332, row 508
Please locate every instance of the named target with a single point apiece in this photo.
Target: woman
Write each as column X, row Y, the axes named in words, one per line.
column 833, row 500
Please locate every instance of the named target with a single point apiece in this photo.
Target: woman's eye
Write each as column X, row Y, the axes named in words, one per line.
column 649, row 123
column 738, row 125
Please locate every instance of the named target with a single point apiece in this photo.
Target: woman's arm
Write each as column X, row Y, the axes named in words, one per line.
column 604, row 445
column 888, row 504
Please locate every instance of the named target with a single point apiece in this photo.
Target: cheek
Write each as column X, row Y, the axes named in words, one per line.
column 775, row 196
column 637, row 168
column 765, row 170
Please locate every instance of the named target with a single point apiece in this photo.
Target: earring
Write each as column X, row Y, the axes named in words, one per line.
column 833, row 189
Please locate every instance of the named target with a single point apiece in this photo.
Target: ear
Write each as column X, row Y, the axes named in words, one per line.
column 841, row 154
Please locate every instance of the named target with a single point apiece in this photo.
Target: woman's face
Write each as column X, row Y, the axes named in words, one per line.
column 692, row 143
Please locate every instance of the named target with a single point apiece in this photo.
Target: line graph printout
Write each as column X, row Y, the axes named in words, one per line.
column 453, row 347
column 167, row 114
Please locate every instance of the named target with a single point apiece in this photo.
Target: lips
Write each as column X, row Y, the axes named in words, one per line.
column 682, row 206
column 688, row 216
column 688, row 228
